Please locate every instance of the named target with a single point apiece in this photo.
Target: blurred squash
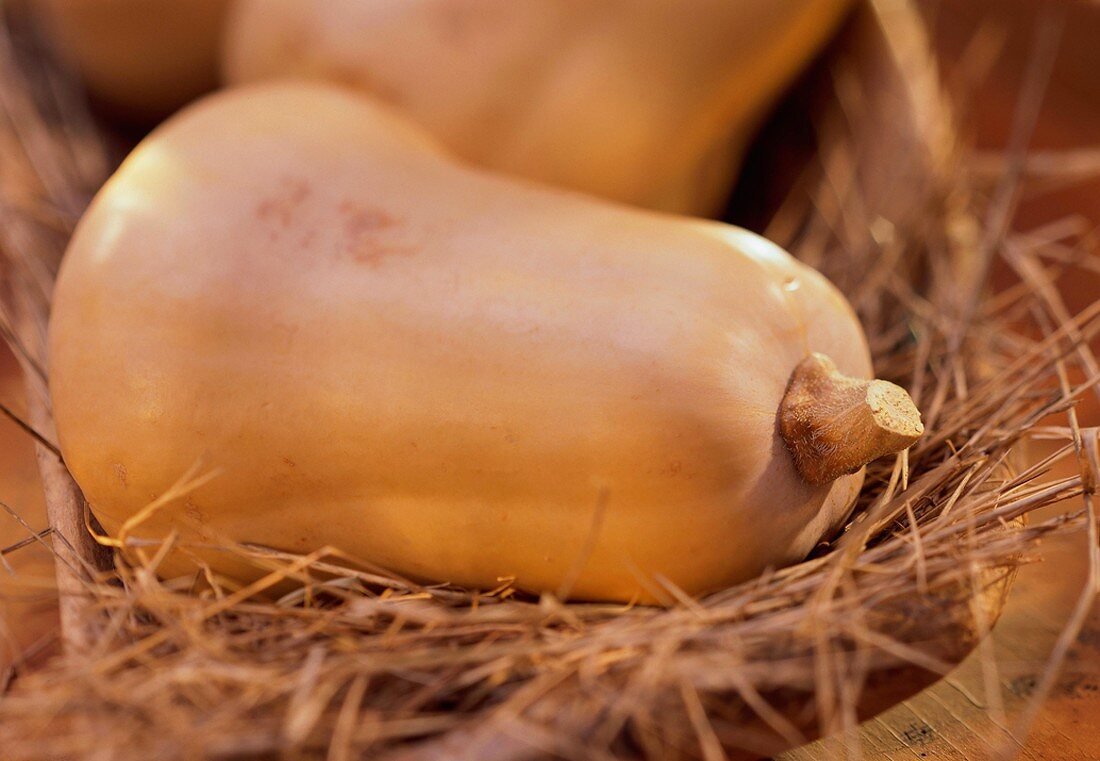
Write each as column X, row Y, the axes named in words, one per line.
column 650, row 102
column 142, row 59
column 450, row 373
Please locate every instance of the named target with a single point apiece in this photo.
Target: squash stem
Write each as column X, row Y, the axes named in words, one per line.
column 834, row 424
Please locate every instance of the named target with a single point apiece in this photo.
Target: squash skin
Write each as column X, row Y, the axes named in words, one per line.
column 142, row 59
column 430, row 367
column 649, row 102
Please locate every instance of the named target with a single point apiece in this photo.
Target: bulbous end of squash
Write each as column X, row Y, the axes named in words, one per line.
column 834, row 424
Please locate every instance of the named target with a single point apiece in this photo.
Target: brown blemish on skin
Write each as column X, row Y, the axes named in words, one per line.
column 359, row 220
column 289, row 462
column 362, row 225
column 279, row 208
column 308, row 238
column 373, row 254
column 193, row 512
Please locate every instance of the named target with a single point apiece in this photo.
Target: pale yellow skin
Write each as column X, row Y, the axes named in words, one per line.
column 431, row 367
column 142, row 58
column 650, row 102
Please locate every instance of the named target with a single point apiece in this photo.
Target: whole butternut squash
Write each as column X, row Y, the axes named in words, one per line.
column 650, row 102
column 449, row 373
column 142, row 58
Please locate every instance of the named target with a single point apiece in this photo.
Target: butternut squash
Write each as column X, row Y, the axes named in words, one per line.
column 456, row 375
column 142, row 59
column 649, row 102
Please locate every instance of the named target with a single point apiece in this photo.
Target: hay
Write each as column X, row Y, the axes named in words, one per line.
column 360, row 662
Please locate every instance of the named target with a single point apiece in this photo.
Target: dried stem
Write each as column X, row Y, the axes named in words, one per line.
column 834, row 425
column 38, row 170
column 77, row 557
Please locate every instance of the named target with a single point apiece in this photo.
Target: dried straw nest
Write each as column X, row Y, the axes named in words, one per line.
column 359, row 662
